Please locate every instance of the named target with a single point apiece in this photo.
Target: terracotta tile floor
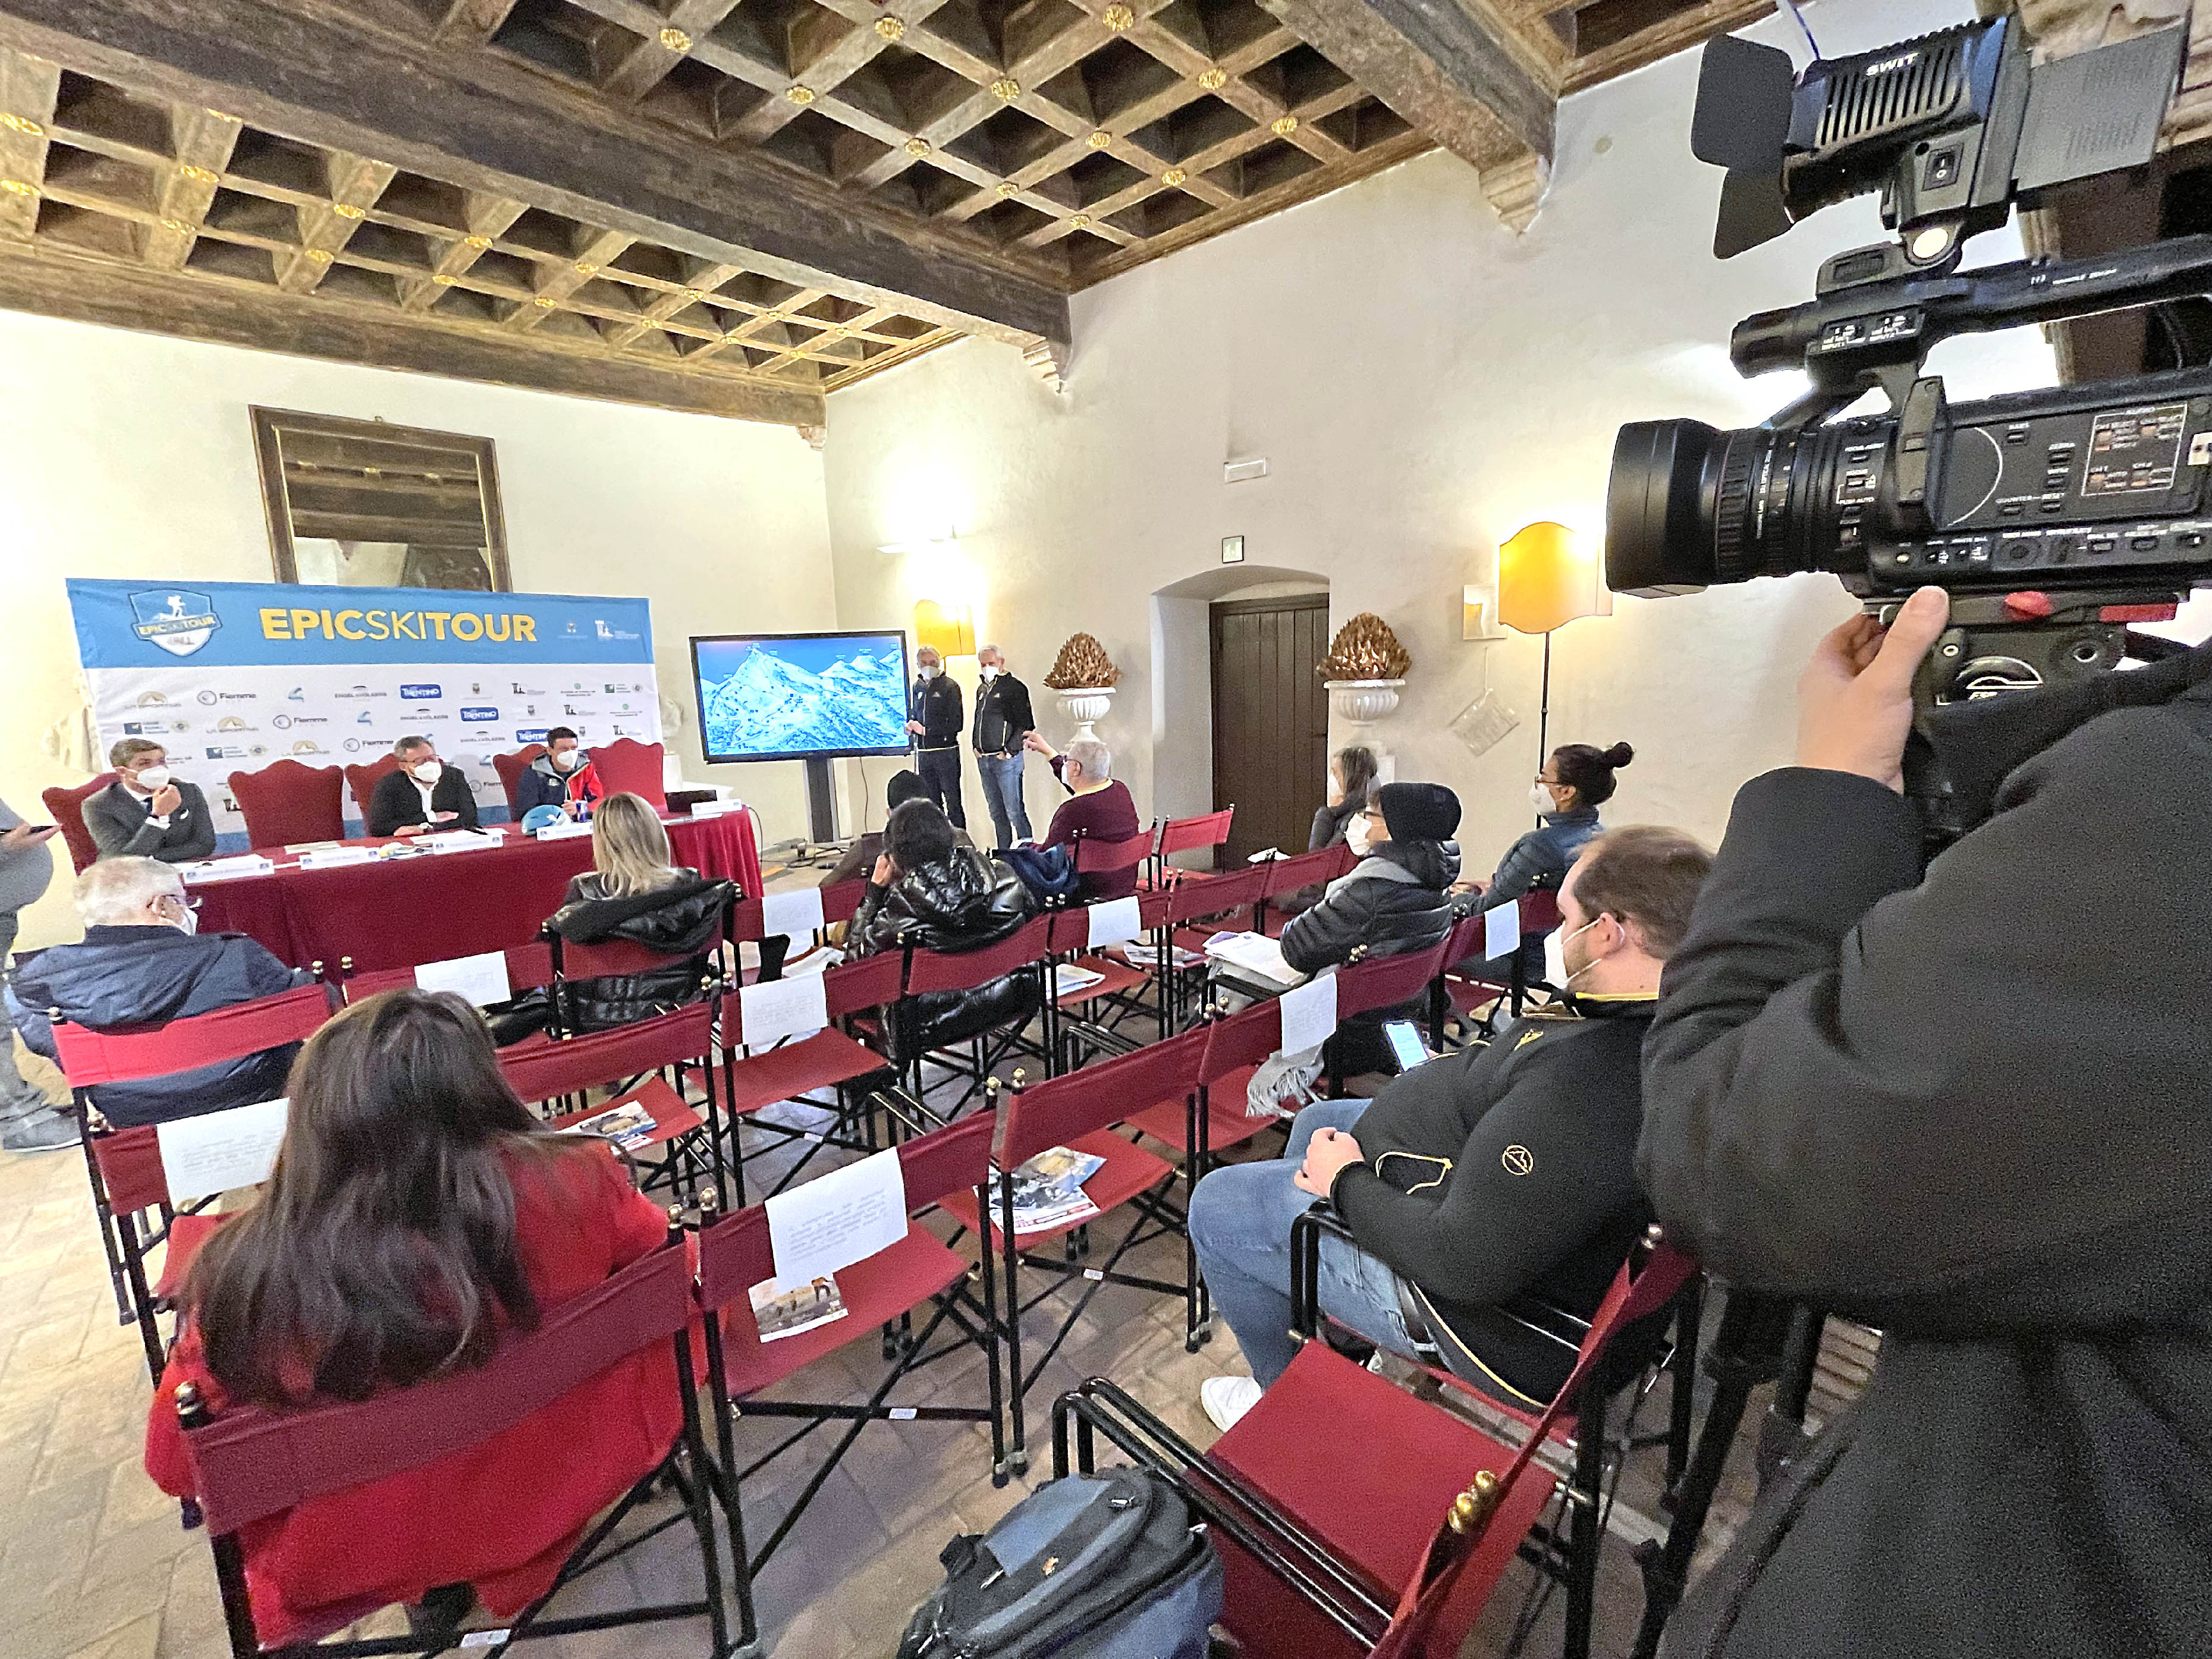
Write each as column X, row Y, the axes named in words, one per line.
column 95, row 1566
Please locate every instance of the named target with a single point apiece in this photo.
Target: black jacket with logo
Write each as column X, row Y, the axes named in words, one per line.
column 396, row 801
column 676, row 920
column 936, row 703
column 1002, row 714
column 962, row 903
column 1507, row 1170
column 1971, row 1109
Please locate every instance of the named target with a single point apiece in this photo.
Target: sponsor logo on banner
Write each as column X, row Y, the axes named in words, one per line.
column 522, row 690
column 154, row 728
column 365, row 719
column 416, row 691
column 530, row 734
column 234, row 752
column 607, row 633
column 154, row 700
column 177, row 619
column 297, row 694
column 232, row 723
column 308, row 746
column 353, row 746
column 480, row 713
column 576, row 689
column 354, row 693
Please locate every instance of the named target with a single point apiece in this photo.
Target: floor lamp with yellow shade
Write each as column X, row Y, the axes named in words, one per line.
column 1547, row 576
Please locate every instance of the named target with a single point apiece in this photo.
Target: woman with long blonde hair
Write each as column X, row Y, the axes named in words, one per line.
column 636, row 891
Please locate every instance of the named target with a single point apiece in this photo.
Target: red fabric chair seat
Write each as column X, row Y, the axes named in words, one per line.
column 187, row 1233
column 1468, row 994
column 821, row 1061
column 670, row 1116
column 1228, row 1124
column 876, row 1290
column 1128, row 1171
column 1120, row 979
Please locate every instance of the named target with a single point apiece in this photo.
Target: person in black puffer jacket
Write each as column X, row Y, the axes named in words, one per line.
column 943, row 896
column 636, row 894
column 1392, row 901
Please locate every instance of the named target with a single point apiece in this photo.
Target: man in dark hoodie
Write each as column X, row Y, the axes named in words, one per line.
column 1504, row 1170
column 143, row 960
column 1392, row 901
column 1968, row 1106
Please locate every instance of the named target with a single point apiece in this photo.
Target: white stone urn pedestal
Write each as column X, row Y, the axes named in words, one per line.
column 1085, row 706
column 1363, row 703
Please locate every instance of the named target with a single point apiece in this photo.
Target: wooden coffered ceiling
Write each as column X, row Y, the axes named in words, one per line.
column 731, row 206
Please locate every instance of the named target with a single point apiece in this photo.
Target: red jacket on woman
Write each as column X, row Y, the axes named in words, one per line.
column 503, row 1514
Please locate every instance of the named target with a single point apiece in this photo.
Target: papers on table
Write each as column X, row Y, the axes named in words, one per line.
column 1069, row 977
column 334, row 857
column 1501, row 930
column 836, row 1219
column 1309, row 1015
column 795, row 1006
column 627, row 1125
column 794, row 912
column 778, row 1312
column 481, row 979
column 562, row 830
column 244, row 864
column 1049, row 1189
column 1115, row 920
column 1142, row 953
column 1254, row 955
column 459, row 840
column 212, row 1153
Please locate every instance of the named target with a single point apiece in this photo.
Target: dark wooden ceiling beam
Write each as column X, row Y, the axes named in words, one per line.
column 1451, row 69
column 497, row 128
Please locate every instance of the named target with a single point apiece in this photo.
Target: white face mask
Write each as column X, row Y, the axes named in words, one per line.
column 153, row 777
column 1359, row 834
column 1540, row 798
column 1555, row 956
column 430, row 772
column 929, row 671
column 566, row 761
column 988, row 673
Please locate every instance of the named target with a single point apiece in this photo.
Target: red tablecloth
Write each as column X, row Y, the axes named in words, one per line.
column 434, row 906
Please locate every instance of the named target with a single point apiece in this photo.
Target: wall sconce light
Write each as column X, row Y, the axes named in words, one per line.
column 1479, row 614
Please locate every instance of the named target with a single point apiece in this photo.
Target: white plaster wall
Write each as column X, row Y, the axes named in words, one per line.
column 130, row 455
column 1422, row 383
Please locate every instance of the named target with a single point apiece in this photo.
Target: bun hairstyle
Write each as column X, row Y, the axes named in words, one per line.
column 1590, row 770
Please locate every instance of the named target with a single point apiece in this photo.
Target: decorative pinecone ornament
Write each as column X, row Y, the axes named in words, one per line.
column 1082, row 665
column 1365, row 648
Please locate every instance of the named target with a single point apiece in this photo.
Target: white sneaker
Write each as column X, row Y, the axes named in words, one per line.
column 1228, row 1398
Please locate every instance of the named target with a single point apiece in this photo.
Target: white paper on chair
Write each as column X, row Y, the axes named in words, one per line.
column 1115, row 920
column 1501, row 930
column 1309, row 1015
column 796, row 912
column 481, row 979
column 829, row 1223
column 794, row 1005
column 210, row 1154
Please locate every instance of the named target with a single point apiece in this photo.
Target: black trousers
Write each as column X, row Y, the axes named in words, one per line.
column 940, row 770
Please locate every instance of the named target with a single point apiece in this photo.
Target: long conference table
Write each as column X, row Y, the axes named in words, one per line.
column 404, row 911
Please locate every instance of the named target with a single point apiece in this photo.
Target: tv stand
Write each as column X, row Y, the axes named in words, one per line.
column 821, row 801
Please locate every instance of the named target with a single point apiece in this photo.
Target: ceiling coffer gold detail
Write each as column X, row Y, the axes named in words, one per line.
column 1099, row 140
column 1008, row 190
column 17, row 187
column 798, row 94
column 347, row 211
column 1284, row 125
column 1213, row 79
column 477, row 242
column 23, row 125
column 890, row 27
column 1006, row 88
column 322, row 255
column 917, row 147
column 199, row 175
column 1174, row 176
column 1117, row 17
column 676, row 40
column 1081, row 220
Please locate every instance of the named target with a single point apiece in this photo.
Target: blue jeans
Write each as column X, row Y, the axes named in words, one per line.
column 1240, row 1220
column 1002, row 791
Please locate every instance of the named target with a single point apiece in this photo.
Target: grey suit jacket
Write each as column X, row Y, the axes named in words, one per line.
column 121, row 826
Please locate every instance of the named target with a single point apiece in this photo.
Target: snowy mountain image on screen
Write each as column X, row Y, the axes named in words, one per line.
column 769, row 705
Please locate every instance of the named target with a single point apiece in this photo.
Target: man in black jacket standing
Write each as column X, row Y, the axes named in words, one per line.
column 1003, row 719
column 1969, row 1107
column 146, row 813
column 1500, row 1170
column 933, row 720
column 425, row 794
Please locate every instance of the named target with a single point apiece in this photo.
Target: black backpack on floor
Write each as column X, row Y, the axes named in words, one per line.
column 1112, row 1566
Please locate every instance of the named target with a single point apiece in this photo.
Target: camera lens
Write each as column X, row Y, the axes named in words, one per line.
column 1688, row 506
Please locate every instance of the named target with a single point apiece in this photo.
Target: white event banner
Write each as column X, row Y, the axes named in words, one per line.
column 232, row 676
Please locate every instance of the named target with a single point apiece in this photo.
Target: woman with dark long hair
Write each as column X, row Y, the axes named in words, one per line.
column 416, row 1215
column 1351, row 775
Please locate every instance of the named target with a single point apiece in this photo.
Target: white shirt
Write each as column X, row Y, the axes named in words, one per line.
column 425, row 790
column 147, row 795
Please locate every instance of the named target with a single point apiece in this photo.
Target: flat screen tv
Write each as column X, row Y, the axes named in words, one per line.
column 801, row 696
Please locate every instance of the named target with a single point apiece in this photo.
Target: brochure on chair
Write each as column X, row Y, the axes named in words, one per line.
column 1141, row 953
column 627, row 1125
column 1069, row 977
column 1049, row 1189
column 780, row 1313
column 1254, row 955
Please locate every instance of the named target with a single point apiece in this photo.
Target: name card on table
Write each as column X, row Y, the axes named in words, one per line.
column 778, row 1008
column 836, row 1219
column 1501, row 930
column 459, row 840
column 795, row 912
column 714, row 808
column 333, row 858
column 1309, row 1015
column 562, row 830
column 245, row 864
column 210, row 1154
column 481, row 979
column 1115, row 920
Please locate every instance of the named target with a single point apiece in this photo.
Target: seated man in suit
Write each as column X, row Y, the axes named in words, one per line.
column 143, row 960
column 147, row 814
column 423, row 794
column 1507, row 1170
column 562, row 776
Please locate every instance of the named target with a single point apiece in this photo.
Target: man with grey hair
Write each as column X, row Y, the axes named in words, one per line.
column 1098, row 809
column 1003, row 723
column 933, row 721
column 423, row 794
column 144, row 961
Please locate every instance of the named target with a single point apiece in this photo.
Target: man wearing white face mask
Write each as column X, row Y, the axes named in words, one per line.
column 145, row 812
column 934, row 717
column 562, row 776
column 1505, row 1169
column 424, row 793
column 144, row 961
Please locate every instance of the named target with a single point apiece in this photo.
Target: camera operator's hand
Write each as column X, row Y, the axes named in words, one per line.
column 1855, row 699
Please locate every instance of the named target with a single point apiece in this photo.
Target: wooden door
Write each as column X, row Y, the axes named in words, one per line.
column 1270, row 718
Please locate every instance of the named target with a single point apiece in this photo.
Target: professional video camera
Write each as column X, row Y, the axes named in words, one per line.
column 2055, row 517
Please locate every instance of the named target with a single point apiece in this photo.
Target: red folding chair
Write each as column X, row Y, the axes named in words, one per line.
column 361, row 780
column 66, row 807
column 735, row 1254
column 1370, row 983
column 90, row 1058
column 574, row 962
column 1121, row 984
column 1208, row 831
column 285, row 803
column 1386, row 1534
column 1227, row 902
column 1021, row 952
column 529, row 967
column 510, row 768
column 1461, row 994
column 640, row 1060
column 840, row 903
column 253, row 1464
column 1295, row 874
column 1078, row 1111
column 1097, row 859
